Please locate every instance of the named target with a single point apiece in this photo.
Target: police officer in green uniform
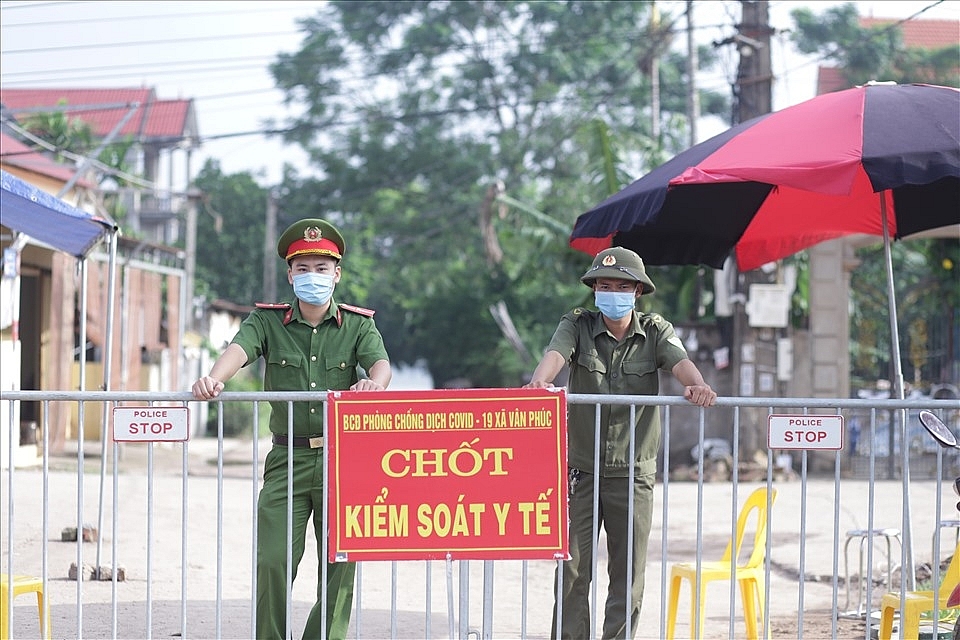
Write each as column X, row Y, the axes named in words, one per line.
column 616, row 350
column 309, row 344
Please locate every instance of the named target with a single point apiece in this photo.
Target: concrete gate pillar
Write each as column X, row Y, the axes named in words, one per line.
column 830, row 266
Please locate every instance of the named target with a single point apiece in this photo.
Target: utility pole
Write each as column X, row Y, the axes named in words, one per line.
column 693, row 95
column 270, row 249
column 754, row 350
column 190, row 259
column 655, row 79
column 754, row 77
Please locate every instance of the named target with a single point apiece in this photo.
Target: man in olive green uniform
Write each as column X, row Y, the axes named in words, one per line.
column 615, row 350
column 309, row 344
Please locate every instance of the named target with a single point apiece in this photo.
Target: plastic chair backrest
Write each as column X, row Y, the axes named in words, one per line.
column 951, row 577
column 756, row 504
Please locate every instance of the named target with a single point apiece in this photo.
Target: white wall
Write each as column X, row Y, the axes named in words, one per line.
column 10, row 426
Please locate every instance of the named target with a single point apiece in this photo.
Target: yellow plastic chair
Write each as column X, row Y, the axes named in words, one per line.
column 917, row 602
column 21, row 584
column 749, row 575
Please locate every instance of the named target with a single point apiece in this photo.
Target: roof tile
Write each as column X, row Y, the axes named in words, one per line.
column 17, row 154
column 103, row 110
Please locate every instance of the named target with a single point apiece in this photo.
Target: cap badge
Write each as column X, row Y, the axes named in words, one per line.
column 609, row 261
column 312, row 234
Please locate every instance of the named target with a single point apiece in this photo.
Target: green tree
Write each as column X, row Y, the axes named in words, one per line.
column 231, row 223
column 425, row 119
column 928, row 302
column 64, row 133
column 73, row 137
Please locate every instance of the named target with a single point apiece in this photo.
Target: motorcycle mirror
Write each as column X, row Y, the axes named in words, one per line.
column 938, row 430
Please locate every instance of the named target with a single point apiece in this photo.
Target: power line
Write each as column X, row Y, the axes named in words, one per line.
column 362, row 80
column 141, row 43
column 33, row 5
column 625, row 35
column 62, row 71
column 78, row 158
column 132, row 17
column 137, row 74
column 628, row 34
column 115, row 71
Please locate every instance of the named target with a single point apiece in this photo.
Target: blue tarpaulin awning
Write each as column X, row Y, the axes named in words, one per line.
column 39, row 215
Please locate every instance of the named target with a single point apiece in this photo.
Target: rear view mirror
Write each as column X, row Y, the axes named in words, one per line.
column 938, row 430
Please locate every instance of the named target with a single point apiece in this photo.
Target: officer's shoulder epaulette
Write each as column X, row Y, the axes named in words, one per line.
column 273, row 305
column 652, row 320
column 361, row 310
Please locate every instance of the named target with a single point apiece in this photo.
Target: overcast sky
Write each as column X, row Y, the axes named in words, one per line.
column 217, row 53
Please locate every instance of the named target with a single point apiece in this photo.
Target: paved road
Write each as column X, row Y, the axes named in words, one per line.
column 148, row 544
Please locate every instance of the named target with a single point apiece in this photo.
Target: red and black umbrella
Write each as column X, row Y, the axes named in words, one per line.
column 782, row 182
column 881, row 159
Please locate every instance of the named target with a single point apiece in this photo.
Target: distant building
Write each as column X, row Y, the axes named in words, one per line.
column 42, row 344
column 164, row 135
column 929, row 35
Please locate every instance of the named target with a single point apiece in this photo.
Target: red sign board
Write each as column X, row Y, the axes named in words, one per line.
column 465, row 474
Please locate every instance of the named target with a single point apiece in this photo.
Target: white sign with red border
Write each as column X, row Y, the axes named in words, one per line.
column 151, row 424
column 805, row 432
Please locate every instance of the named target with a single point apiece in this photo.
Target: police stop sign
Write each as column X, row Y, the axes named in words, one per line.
column 804, row 432
column 150, row 424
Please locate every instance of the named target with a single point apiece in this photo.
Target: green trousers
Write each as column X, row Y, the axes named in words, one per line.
column 577, row 572
column 272, row 547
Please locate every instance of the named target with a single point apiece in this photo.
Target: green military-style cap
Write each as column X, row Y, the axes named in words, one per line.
column 310, row 236
column 620, row 263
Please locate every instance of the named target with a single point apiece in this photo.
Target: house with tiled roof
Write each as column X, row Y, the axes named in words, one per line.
column 163, row 134
column 928, row 35
column 39, row 345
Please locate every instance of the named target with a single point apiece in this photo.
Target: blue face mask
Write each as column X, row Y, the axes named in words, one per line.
column 614, row 304
column 313, row 288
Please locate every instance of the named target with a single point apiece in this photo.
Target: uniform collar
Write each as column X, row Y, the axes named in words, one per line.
column 635, row 327
column 333, row 312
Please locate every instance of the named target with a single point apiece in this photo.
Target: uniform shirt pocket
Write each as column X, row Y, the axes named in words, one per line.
column 591, row 362
column 341, row 371
column 285, row 370
column 639, row 370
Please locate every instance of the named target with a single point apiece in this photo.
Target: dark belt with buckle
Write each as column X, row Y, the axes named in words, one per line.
column 315, row 442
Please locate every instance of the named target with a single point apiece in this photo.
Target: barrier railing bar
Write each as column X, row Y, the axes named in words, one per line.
column 664, row 517
column 255, row 463
column 632, row 401
column 184, row 528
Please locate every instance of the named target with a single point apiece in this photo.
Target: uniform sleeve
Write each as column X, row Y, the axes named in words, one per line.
column 670, row 349
column 564, row 340
column 251, row 336
column 370, row 347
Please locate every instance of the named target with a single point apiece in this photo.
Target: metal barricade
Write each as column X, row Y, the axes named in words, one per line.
column 151, row 539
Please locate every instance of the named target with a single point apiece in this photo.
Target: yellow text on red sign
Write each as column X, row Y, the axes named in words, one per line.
column 465, row 474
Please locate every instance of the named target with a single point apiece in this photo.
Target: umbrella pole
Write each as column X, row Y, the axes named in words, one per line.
column 907, row 547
